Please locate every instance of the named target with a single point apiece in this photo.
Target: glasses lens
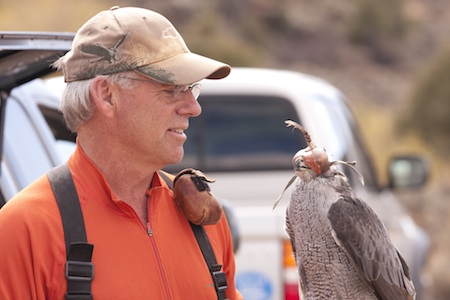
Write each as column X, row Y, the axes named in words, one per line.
column 195, row 90
column 180, row 91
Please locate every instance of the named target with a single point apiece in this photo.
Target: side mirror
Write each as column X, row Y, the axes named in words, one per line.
column 407, row 172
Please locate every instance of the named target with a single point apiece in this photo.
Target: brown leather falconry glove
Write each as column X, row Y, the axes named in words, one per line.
column 193, row 196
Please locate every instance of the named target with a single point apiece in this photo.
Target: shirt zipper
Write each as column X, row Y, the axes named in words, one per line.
column 159, row 261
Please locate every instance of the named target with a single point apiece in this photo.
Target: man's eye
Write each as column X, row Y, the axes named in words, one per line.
column 169, row 91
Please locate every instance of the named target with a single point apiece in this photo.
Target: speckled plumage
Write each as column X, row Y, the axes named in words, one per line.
column 341, row 247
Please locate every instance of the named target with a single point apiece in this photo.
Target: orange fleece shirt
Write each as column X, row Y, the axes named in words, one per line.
column 131, row 261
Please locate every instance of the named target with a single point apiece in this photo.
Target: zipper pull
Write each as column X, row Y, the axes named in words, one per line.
column 149, row 230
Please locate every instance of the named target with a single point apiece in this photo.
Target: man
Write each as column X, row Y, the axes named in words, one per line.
column 129, row 96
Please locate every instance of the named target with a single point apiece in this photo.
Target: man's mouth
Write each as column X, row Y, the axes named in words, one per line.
column 177, row 130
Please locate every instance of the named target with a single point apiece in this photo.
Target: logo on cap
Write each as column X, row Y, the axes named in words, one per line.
column 108, row 54
column 170, row 32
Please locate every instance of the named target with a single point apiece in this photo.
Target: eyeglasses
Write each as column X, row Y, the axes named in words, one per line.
column 179, row 91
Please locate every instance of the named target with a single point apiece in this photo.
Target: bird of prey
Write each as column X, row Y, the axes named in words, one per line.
column 341, row 247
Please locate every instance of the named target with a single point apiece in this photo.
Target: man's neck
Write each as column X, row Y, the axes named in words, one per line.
column 127, row 178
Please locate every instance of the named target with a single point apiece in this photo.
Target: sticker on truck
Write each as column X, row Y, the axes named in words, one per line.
column 254, row 285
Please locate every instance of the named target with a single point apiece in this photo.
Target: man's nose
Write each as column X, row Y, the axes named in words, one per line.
column 190, row 106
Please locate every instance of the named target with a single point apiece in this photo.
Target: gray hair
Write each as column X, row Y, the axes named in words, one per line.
column 76, row 104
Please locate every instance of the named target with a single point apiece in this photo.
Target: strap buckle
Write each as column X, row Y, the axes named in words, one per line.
column 219, row 278
column 79, row 276
column 220, row 281
column 79, row 271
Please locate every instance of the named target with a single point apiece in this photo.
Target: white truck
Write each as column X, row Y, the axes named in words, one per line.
column 240, row 140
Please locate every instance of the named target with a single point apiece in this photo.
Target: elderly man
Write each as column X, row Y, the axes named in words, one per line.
column 131, row 89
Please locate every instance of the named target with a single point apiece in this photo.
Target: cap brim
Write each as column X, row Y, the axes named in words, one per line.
column 185, row 68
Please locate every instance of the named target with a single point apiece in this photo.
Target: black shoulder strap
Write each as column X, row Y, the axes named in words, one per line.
column 219, row 277
column 79, row 268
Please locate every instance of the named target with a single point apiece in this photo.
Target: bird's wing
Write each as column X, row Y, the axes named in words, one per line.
column 362, row 235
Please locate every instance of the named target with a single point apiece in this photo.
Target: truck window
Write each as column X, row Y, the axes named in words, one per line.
column 241, row 133
column 364, row 163
column 64, row 139
column 55, row 121
column 345, row 141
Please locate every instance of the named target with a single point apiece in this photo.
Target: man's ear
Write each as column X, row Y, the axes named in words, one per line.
column 101, row 94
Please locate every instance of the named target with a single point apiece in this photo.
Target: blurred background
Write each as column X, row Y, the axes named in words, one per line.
column 390, row 57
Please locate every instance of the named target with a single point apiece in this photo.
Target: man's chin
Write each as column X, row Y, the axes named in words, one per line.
column 176, row 158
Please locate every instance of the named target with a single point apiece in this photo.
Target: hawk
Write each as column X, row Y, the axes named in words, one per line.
column 341, row 247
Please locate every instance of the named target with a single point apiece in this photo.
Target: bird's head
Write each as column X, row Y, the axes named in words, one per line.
column 314, row 159
column 311, row 159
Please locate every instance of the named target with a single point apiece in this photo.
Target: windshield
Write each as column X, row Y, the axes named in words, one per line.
column 331, row 133
column 343, row 140
column 241, row 133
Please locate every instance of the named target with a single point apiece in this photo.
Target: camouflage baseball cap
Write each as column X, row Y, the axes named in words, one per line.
column 131, row 38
